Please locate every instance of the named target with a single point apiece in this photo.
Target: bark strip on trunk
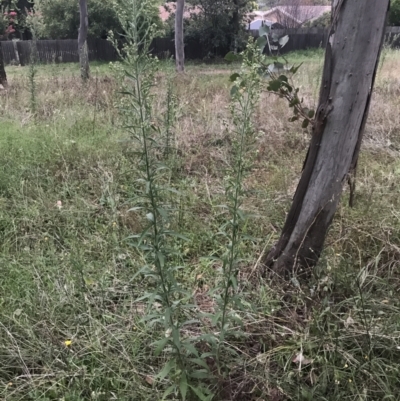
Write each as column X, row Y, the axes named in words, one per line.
column 351, row 61
column 82, row 40
column 179, row 44
column 3, row 75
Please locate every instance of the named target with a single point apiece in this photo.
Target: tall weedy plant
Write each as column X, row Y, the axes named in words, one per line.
column 168, row 301
column 245, row 96
column 169, row 118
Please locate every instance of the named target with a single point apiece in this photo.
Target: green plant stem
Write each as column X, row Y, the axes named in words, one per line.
column 153, row 202
column 246, row 107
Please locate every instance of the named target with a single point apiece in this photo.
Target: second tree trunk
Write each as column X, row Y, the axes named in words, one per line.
column 351, row 61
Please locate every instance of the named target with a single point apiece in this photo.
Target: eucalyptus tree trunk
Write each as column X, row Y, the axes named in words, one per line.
column 351, row 61
column 179, row 44
column 3, row 75
column 82, row 40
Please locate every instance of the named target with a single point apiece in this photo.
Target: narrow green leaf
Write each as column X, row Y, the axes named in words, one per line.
column 160, row 345
column 191, row 321
column 305, row 124
column 200, row 374
column 168, row 391
column 166, row 369
column 177, row 235
column 200, row 362
column 143, row 297
column 200, row 394
column 161, row 259
column 216, row 317
column 163, row 212
column 190, row 348
column 183, row 386
column 294, row 69
column 176, row 338
column 233, row 282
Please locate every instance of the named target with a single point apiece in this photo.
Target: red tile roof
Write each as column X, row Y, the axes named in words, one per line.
column 169, row 8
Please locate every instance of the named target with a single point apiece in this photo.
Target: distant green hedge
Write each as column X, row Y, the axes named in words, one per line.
column 394, row 13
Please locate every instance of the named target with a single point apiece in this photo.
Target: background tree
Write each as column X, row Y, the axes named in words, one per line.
column 179, row 42
column 8, row 23
column 61, row 18
column 291, row 16
column 34, row 20
column 13, row 13
column 351, row 61
column 394, row 14
column 323, row 21
column 221, row 26
column 4, row 23
column 3, row 75
column 82, row 40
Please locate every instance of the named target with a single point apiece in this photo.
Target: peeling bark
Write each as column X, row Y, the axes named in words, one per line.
column 351, row 61
column 179, row 44
column 82, row 40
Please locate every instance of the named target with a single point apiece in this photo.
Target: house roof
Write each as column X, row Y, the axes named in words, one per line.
column 169, row 8
column 257, row 23
column 300, row 14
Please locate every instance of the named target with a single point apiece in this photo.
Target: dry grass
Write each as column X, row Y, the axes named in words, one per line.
column 67, row 273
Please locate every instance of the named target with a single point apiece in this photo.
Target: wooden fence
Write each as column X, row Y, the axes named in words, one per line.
column 56, row 51
column 63, row 51
column 306, row 38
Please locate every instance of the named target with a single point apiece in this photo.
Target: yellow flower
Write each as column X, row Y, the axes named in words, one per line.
column 350, row 380
column 67, row 343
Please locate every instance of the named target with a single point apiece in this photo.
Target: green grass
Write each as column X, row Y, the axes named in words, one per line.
column 67, row 270
column 49, row 70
